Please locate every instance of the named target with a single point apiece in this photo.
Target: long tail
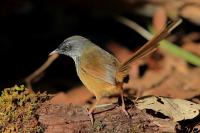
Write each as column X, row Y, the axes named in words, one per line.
column 151, row 45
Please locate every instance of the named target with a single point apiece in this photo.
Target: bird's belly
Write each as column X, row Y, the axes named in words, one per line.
column 97, row 86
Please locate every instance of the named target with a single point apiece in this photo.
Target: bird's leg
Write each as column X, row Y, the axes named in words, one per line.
column 138, row 95
column 92, row 109
column 123, row 104
column 94, row 106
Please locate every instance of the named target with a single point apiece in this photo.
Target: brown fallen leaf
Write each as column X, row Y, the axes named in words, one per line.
column 192, row 47
column 178, row 85
column 76, row 96
column 159, row 19
column 191, row 12
column 151, row 77
column 191, row 37
column 176, row 109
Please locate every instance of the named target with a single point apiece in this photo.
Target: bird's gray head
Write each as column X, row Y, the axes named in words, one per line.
column 72, row 46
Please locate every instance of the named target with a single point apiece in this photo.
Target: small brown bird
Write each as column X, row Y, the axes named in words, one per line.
column 101, row 72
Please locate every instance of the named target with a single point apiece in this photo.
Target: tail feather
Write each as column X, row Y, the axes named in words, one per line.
column 151, row 45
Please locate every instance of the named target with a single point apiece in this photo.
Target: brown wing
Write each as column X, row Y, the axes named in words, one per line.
column 150, row 46
column 99, row 64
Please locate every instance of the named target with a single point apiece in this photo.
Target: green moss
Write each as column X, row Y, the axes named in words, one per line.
column 17, row 110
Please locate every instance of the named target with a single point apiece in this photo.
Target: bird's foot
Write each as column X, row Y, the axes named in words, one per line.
column 123, row 105
column 125, row 111
column 136, row 99
column 90, row 116
column 138, row 95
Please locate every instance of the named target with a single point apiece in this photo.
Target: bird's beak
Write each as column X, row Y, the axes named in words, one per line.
column 54, row 52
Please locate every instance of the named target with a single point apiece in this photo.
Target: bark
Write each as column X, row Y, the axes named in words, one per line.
column 75, row 119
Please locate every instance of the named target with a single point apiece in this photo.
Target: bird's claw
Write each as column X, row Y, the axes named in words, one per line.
column 90, row 116
column 125, row 111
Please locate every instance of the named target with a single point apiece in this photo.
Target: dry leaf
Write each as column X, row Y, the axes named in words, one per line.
column 76, row 96
column 191, row 13
column 176, row 109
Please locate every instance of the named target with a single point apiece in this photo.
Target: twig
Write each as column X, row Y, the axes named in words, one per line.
column 133, row 25
column 40, row 70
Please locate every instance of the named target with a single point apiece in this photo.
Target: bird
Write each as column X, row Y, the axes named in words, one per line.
column 101, row 72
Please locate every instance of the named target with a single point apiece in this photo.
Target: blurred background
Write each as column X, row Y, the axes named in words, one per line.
column 31, row 29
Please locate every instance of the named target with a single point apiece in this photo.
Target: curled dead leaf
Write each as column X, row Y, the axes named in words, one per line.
column 176, row 109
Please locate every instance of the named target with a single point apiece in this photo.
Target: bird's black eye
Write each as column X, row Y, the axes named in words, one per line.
column 67, row 48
